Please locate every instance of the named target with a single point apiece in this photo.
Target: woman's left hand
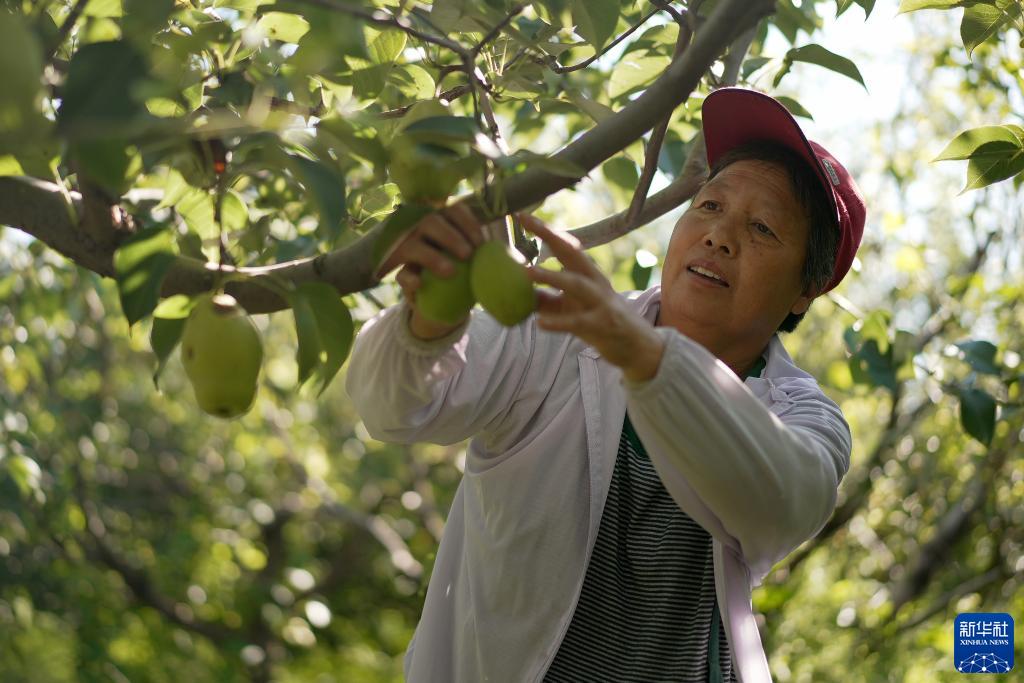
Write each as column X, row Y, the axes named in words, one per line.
column 588, row 307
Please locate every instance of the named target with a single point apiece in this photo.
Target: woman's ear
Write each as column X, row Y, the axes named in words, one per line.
column 802, row 303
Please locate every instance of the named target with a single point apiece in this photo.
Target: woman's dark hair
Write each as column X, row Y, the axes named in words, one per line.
column 823, row 232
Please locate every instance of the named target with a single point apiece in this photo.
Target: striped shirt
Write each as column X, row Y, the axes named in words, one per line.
column 647, row 610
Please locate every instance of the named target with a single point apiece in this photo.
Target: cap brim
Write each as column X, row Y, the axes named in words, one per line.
column 735, row 116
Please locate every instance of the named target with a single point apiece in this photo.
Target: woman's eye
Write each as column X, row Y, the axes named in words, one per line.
column 709, row 204
column 764, row 229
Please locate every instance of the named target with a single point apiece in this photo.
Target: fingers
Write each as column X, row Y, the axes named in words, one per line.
column 576, row 285
column 442, row 233
column 409, row 280
column 460, row 217
column 424, row 254
column 433, row 243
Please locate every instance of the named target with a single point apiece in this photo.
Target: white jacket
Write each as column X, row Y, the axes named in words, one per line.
column 755, row 463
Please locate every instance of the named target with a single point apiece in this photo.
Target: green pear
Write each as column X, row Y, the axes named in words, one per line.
column 222, row 355
column 501, row 284
column 445, row 299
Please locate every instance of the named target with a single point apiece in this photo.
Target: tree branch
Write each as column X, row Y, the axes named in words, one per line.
column 653, row 149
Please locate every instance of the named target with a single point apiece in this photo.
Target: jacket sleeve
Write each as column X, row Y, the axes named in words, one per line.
column 769, row 477
column 440, row 391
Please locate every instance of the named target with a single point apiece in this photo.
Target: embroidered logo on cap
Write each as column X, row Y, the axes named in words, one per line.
column 831, row 171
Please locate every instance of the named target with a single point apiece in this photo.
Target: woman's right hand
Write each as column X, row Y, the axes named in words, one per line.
column 433, row 243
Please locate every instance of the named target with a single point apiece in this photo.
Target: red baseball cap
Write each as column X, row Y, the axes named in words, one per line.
column 734, row 116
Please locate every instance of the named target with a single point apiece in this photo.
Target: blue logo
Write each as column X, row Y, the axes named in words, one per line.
column 983, row 643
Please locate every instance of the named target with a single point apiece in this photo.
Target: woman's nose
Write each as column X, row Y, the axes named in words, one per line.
column 720, row 236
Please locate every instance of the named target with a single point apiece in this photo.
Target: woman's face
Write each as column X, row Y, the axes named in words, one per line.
column 746, row 226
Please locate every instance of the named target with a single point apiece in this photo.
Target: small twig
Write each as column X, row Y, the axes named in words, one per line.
column 590, row 60
column 493, row 33
column 69, row 23
column 382, row 18
column 448, row 96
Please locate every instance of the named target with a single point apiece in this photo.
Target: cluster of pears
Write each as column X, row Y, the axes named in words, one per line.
column 495, row 276
column 222, row 354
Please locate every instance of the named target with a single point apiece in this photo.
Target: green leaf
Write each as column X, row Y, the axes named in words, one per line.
column 413, row 81
column 440, row 130
column 595, row 20
column 592, row 108
column 843, row 5
column 753, row 64
column 981, row 355
column 103, row 9
column 1009, row 138
column 327, row 187
column 622, row 172
column 142, row 17
column 982, row 20
column 26, row 474
column 990, row 164
column 634, row 72
column 334, row 326
column 107, row 161
column 873, row 367
column 794, row 107
column 914, row 5
column 21, row 72
column 978, row 414
column 140, row 265
column 196, row 208
column 98, row 96
column 643, row 265
column 387, row 46
column 234, row 215
column 816, row 54
column 308, row 334
column 283, row 26
column 163, row 338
